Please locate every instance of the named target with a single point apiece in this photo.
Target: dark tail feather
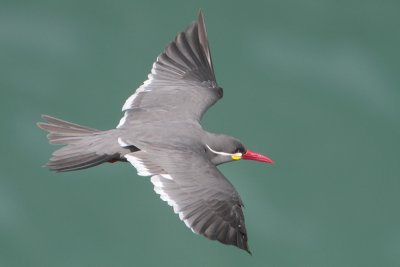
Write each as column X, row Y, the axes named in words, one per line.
column 82, row 145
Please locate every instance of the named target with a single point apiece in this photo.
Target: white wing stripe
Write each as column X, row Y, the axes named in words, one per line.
column 156, row 181
column 158, row 188
column 139, row 165
column 167, row 176
column 122, row 143
column 143, row 88
column 122, row 121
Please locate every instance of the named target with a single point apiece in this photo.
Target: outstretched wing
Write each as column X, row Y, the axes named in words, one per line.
column 198, row 192
column 181, row 85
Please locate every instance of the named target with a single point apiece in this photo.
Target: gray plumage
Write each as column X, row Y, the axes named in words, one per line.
column 161, row 136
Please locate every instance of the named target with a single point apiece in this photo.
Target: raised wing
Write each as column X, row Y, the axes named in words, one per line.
column 181, row 85
column 198, row 192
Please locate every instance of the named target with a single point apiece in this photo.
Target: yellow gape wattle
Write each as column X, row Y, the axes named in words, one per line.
column 236, row 157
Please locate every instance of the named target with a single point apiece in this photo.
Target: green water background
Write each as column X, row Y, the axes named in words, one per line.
column 312, row 84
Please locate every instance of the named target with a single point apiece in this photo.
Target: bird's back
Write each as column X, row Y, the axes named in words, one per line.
column 173, row 135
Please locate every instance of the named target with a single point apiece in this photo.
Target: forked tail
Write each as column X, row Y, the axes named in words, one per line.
column 83, row 146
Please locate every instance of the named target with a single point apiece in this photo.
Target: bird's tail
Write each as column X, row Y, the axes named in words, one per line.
column 81, row 145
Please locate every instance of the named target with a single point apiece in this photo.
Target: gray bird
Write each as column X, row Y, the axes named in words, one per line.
column 161, row 136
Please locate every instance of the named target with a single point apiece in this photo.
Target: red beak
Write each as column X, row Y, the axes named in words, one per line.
column 251, row 155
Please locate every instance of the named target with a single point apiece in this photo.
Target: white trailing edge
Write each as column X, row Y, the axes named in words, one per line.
column 141, row 168
column 159, row 189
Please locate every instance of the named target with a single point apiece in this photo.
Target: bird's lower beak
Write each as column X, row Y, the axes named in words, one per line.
column 251, row 155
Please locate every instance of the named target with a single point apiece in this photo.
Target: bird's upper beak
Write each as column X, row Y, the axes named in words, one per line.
column 251, row 155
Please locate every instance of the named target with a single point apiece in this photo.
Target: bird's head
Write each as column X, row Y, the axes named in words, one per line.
column 223, row 148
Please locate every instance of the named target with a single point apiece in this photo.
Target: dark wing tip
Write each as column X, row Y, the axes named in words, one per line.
column 40, row 125
column 204, row 39
column 246, row 248
column 46, row 117
column 200, row 17
column 188, row 56
column 242, row 240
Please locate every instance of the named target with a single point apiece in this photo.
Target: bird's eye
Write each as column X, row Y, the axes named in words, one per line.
column 239, row 150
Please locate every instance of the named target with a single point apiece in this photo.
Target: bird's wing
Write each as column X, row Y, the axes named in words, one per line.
column 198, row 192
column 181, row 84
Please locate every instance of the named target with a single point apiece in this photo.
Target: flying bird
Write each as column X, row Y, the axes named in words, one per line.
column 161, row 136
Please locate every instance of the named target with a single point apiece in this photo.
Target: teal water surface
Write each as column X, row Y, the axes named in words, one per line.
column 312, row 84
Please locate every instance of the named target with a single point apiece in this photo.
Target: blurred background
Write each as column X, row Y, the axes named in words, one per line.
column 312, row 84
